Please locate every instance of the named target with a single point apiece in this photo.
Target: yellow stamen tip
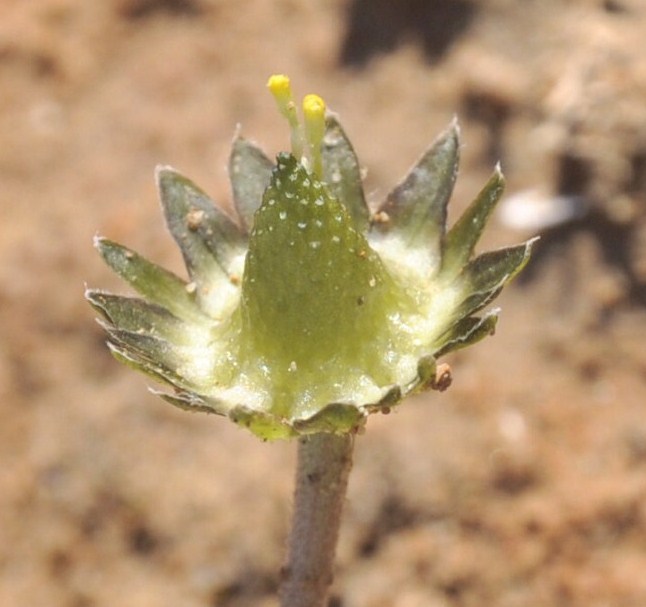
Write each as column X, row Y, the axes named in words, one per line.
column 280, row 86
column 313, row 107
column 314, row 115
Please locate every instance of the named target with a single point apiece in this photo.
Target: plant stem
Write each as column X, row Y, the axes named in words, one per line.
column 324, row 463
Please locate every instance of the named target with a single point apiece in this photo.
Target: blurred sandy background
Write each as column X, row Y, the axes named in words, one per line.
column 524, row 485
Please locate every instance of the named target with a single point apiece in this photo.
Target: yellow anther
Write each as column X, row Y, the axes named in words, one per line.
column 280, row 87
column 314, row 116
column 313, row 106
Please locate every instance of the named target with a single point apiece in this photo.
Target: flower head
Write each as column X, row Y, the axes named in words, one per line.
column 308, row 311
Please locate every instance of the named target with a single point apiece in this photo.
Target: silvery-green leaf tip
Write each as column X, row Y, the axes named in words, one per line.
column 307, row 311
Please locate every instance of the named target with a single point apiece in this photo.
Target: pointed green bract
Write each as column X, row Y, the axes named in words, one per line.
column 484, row 277
column 189, row 401
column 138, row 315
column 468, row 331
column 249, row 171
column 153, row 369
column 212, row 245
column 151, row 351
column 464, row 235
column 209, row 240
column 156, row 284
column 494, row 268
column 416, row 208
column 342, row 173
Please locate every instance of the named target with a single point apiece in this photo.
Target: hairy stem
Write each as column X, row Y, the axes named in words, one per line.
column 324, row 462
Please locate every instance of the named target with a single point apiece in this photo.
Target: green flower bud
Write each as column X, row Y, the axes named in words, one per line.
column 307, row 312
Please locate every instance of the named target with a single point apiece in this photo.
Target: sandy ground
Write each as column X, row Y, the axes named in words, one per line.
column 524, row 485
